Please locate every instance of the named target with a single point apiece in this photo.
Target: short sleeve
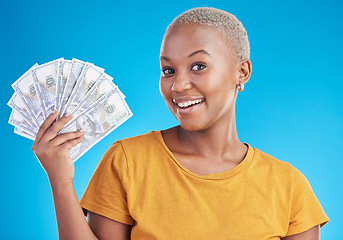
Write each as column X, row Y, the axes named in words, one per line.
column 306, row 211
column 106, row 192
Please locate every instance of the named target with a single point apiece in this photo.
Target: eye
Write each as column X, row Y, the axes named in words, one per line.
column 198, row 67
column 167, row 71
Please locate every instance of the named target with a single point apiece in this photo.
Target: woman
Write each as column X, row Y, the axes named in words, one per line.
column 193, row 181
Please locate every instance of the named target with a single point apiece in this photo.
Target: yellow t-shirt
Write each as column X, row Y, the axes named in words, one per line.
column 139, row 182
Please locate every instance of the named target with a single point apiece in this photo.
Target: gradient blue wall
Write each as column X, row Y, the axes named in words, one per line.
column 291, row 108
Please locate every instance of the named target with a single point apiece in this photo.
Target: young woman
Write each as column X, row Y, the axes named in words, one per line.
column 193, row 181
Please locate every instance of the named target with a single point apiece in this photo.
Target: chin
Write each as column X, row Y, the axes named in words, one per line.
column 192, row 126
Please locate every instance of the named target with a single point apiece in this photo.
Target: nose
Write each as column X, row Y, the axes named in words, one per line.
column 181, row 82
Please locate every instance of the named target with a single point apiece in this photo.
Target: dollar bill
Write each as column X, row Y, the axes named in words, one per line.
column 44, row 77
column 63, row 71
column 76, row 67
column 25, row 87
column 17, row 120
column 102, row 87
column 97, row 104
column 24, row 133
column 18, row 105
column 88, row 77
column 101, row 118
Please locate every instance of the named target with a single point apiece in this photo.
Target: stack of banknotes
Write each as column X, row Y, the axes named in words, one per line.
column 70, row 87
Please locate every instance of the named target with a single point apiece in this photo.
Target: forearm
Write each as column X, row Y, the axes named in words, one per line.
column 71, row 221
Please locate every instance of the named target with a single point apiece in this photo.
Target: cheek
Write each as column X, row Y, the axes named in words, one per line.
column 165, row 88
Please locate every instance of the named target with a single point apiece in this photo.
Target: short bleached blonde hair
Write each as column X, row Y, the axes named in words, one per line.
column 223, row 21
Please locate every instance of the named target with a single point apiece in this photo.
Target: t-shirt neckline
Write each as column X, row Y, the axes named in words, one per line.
column 213, row 176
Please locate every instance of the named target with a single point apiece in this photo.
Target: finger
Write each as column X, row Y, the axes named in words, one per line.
column 72, row 142
column 45, row 126
column 52, row 131
column 62, row 138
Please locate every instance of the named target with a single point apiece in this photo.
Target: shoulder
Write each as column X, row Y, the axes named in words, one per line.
column 126, row 154
column 271, row 163
column 141, row 146
column 294, row 191
column 277, row 169
column 140, row 138
column 132, row 144
column 143, row 141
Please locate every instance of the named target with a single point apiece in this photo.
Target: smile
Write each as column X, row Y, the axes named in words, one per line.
column 185, row 104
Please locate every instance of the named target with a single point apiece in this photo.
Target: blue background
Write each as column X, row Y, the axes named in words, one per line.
column 291, row 108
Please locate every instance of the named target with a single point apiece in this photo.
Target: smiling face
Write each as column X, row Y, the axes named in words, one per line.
column 199, row 76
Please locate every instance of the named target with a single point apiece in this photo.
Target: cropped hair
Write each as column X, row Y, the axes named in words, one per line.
column 223, row 21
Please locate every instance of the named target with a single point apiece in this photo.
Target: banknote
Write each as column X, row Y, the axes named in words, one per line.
column 17, row 120
column 76, row 67
column 44, row 77
column 88, row 77
column 63, row 71
column 103, row 86
column 25, row 87
column 101, row 118
column 17, row 104
column 24, row 133
column 70, row 86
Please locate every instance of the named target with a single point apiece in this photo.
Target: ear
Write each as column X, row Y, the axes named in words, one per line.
column 244, row 71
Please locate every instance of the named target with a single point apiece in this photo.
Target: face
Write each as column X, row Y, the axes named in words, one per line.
column 199, row 76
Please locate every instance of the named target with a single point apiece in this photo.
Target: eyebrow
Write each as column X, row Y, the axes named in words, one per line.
column 199, row 51
column 190, row 55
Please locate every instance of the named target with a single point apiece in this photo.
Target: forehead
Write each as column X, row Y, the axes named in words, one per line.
column 185, row 39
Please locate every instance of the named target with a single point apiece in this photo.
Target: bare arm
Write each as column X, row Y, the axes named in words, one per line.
column 311, row 234
column 105, row 228
column 53, row 152
column 71, row 221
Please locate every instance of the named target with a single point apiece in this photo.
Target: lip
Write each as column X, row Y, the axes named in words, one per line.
column 188, row 110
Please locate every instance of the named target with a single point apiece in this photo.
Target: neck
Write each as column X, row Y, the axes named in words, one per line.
column 220, row 141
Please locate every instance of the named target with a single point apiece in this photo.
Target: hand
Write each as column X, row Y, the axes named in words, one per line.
column 53, row 151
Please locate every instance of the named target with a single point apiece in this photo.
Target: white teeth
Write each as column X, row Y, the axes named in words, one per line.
column 188, row 103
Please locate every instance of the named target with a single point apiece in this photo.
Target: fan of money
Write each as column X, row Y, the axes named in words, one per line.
column 69, row 86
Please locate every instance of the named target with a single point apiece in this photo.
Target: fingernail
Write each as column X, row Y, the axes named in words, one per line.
column 82, row 131
column 53, row 112
column 67, row 114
